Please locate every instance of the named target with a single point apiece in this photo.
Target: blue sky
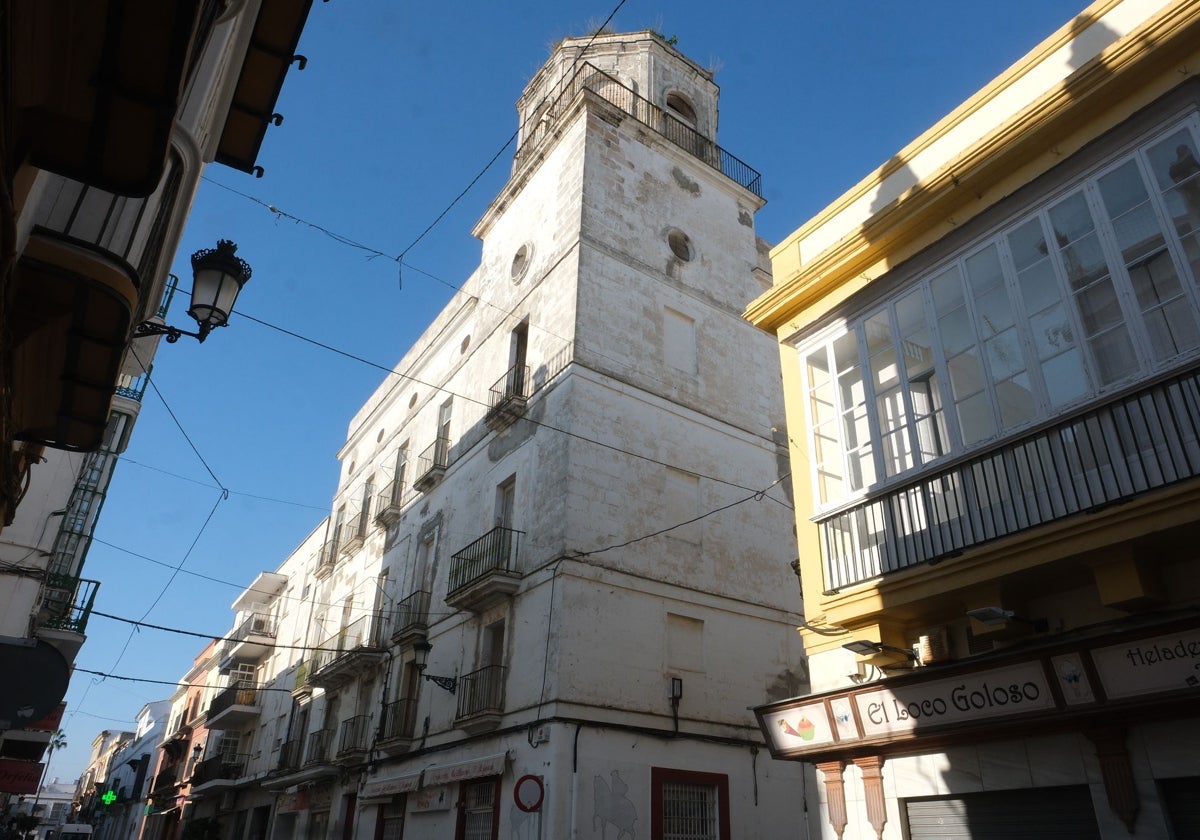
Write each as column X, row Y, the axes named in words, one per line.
column 401, row 105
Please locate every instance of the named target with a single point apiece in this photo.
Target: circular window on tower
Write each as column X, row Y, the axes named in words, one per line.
column 379, row 437
column 466, row 342
column 681, row 245
column 520, row 263
column 412, row 400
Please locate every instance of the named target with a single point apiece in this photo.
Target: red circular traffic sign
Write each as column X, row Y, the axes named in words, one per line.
column 528, row 793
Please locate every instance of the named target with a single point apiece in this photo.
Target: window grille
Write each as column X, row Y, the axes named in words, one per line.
column 689, row 811
column 479, row 810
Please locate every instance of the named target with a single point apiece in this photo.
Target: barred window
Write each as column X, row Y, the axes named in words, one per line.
column 686, row 805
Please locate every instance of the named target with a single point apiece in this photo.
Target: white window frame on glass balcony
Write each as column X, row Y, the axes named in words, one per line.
column 868, row 428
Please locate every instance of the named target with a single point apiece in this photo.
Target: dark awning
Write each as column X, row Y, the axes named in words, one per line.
column 268, row 57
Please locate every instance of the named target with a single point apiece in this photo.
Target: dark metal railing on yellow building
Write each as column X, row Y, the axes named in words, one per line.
column 1105, row 455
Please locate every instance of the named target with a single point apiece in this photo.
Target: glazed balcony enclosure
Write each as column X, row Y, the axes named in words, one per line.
column 485, row 572
column 1140, row 442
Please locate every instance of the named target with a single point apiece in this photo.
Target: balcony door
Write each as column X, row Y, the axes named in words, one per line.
column 518, row 348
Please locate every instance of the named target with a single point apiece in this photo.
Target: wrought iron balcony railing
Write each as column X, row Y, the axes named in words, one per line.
column 412, row 614
column 353, row 532
column 1139, row 442
column 256, row 624
column 165, row 780
column 241, row 693
column 432, row 464
column 327, row 557
column 494, row 551
column 318, row 747
column 290, row 754
column 399, row 720
column 230, row 766
column 481, row 691
column 70, row 602
column 390, row 502
column 355, row 735
column 361, row 634
column 508, row 396
column 589, row 77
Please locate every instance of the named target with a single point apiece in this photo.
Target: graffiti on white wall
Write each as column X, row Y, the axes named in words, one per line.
column 613, row 807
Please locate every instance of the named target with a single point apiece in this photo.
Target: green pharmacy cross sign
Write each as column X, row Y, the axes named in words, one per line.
column 109, row 797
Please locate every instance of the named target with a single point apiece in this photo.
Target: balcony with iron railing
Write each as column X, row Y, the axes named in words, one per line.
column 590, row 78
column 354, row 740
column 291, row 755
column 302, row 760
column 390, row 503
column 507, row 398
column 345, row 654
column 481, row 699
column 165, row 780
column 353, row 532
column 485, row 572
column 1137, row 443
column 68, row 604
column 317, row 749
column 411, row 618
column 236, row 706
column 327, row 556
column 216, row 773
column 397, row 727
column 253, row 639
column 431, row 465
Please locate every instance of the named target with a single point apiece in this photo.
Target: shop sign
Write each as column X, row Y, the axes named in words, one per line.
column 1148, row 666
column 1001, row 692
column 492, row 765
column 430, row 799
column 320, row 799
column 799, row 727
column 19, row 776
column 391, row 787
column 289, row 802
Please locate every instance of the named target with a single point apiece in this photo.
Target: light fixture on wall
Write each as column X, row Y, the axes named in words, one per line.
column 675, row 694
column 999, row 617
column 421, row 660
column 865, row 647
column 218, row 276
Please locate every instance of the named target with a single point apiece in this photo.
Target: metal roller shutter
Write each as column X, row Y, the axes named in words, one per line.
column 1063, row 813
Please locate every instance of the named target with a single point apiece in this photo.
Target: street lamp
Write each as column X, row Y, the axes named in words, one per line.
column 421, row 660
column 218, row 275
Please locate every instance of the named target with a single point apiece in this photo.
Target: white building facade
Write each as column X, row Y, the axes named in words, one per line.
column 557, row 569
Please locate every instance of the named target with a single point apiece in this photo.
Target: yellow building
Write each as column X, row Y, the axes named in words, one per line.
column 991, row 357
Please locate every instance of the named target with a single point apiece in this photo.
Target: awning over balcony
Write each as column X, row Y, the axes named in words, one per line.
column 272, row 46
column 96, row 85
column 72, row 308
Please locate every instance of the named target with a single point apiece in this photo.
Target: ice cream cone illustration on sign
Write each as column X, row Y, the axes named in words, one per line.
column 803, row 729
